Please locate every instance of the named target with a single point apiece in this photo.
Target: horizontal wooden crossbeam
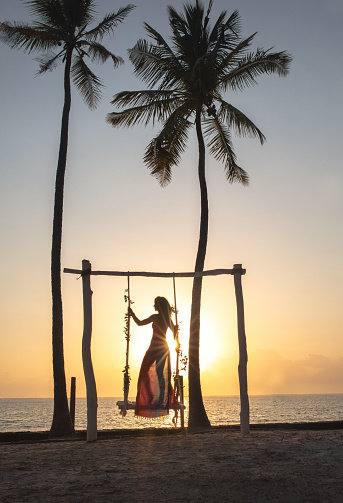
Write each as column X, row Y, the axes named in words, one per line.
column 213, row 272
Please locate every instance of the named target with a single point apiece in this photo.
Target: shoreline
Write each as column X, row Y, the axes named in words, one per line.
column 43, row 436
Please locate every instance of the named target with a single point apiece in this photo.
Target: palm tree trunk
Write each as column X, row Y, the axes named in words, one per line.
column 197, row 418
column 61, row 423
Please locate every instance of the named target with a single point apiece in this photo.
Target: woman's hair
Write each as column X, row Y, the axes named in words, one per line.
column 164, row 308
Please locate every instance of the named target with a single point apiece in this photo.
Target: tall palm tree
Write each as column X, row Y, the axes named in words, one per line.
column 63, row 26
column 186, row 82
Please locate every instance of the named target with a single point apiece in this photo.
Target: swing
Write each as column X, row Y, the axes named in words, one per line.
column 92, row 401
column 125, row 405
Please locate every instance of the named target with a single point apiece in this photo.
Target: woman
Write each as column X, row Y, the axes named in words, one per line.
column 155, row 394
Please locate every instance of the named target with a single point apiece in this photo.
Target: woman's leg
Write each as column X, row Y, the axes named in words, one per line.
column 161, row 379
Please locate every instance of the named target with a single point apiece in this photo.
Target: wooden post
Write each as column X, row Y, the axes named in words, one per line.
column 92, row 401
column 243, row 355
column 182, row 402
column 72, row 399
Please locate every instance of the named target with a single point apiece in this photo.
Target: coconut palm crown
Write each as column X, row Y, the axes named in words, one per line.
column 61, row 32
column 187, row 80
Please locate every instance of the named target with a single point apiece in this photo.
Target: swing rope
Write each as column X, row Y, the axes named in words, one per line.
column 125, row 405
column 177, row 334
column 178, row 378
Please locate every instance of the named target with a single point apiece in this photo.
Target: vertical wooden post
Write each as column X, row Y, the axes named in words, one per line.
column 182, row 402
column 72, row 399
column 243, row 354
column 92, row 401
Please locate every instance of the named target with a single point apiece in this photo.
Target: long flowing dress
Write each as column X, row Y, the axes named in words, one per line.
column 155, row 394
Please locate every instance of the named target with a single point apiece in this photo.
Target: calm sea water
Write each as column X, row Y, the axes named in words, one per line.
column 35, row 414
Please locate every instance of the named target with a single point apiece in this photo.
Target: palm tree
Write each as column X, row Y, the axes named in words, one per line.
column 63, row 26
column 190, row 77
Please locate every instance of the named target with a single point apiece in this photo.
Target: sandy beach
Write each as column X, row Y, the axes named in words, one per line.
column 220, row 465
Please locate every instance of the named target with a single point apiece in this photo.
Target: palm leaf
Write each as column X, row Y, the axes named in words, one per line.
column 28, row 38
column 49, row 12
column 240, row 122
column 158, row 38
column 253, row 65
column 149, row 105
column 153, row 64
column 48, row 62
column 109, row 22
column 165, row 150
column 87, row 83
column 220, row 146
column 98, row 53
column 233, row 58
column 145, row 97
column 170, row 59
column 233, row 24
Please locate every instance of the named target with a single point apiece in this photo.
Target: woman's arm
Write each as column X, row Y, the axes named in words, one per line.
column 141, row 322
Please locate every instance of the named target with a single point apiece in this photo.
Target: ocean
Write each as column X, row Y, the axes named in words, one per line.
column 35, row 414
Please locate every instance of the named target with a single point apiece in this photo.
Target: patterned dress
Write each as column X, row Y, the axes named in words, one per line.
column 155, row 394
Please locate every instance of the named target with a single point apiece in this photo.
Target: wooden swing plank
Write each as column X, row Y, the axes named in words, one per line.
column 129, row 405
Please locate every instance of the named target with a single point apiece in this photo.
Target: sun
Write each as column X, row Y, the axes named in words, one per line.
column 209, row 341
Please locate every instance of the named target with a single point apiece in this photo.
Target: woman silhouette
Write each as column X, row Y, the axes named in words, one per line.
column 155, row 394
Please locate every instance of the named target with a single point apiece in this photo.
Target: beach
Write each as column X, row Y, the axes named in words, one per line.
column 276, row 465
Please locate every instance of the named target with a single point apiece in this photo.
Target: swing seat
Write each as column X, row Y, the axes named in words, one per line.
column 126, row 405
column 181, row 406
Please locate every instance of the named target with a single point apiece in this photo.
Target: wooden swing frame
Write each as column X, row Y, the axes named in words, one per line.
column 92, row 400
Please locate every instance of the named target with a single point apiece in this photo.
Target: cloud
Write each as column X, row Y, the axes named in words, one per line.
column 270, row 373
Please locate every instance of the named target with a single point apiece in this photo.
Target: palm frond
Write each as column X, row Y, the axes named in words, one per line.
column 253, row 65
column 220, row 146
column 152, row 64
column 165, row 150
column 109, row 22
column 165, row 49
column 177, row 21
column 86, row 81
column 98, row 53
column 149, row 105
column 216, row 33
column 28, row 38
column 155, row 35
column 238, row 121
column 48, row 61
column 49, row 12
column 231, row 59
column 145, row 97
column 233, row 24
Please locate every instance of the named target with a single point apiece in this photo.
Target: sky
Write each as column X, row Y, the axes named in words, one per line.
column 284, row 228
